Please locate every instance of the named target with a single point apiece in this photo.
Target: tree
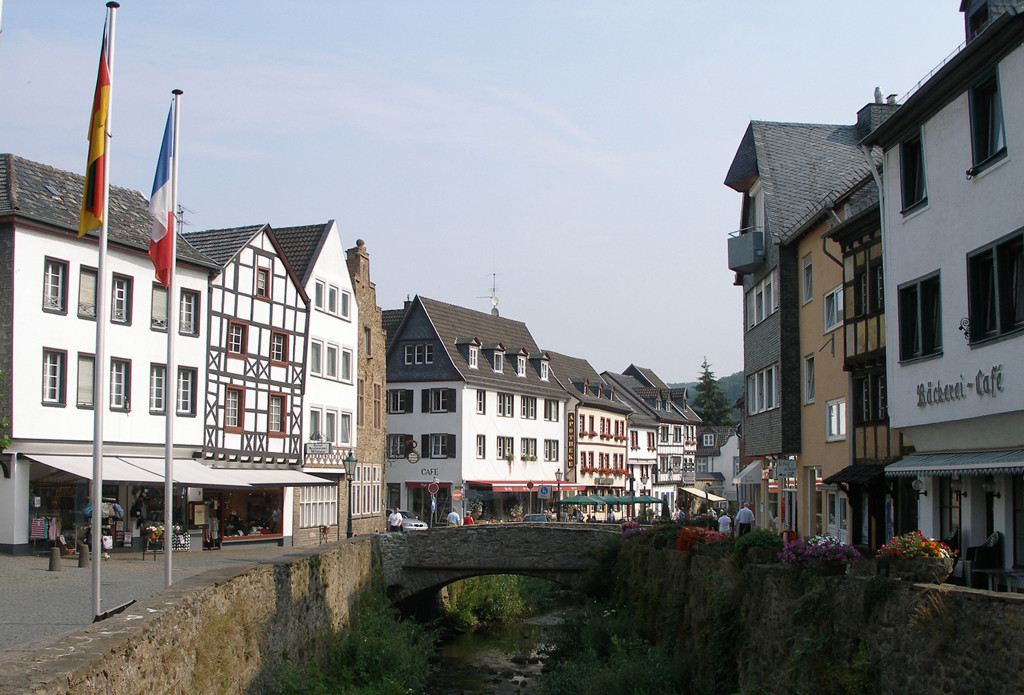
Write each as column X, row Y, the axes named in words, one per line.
column 710, row 402
column 5, row 440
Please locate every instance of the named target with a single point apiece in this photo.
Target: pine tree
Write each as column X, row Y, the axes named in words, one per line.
column 710, row 401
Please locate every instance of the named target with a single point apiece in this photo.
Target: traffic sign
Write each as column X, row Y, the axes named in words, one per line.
column 412, row 457
column 544, row 492
column 529, row 485
column 432, row 488
column 456, row 494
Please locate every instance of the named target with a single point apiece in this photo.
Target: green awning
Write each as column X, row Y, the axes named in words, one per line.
column 1008, row 461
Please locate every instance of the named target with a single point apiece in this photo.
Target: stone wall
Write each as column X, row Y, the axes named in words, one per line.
column 223, row 631
column 765, row 629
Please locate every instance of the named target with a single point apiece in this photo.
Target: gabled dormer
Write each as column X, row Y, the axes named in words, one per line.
column 543, row 361
column 497, row 354
column 520, row 357
column 469, row 348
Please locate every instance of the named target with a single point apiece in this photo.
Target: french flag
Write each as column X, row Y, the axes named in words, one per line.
column 161, row 207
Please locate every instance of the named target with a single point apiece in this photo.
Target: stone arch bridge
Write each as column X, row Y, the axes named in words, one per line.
column 417, row 565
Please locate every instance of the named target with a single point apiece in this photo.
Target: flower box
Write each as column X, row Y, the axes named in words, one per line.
column 924, row 570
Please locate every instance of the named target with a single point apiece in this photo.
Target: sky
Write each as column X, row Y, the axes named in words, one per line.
column 568, row 154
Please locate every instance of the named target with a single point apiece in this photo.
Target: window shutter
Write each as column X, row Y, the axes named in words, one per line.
column 451, row 446
column 425, row 401
column 407, row 406
column 425, row 446
column 451, row 400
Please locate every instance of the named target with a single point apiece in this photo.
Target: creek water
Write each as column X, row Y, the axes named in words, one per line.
column 505, row 659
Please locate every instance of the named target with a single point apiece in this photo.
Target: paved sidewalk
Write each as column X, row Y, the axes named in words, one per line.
column 37, row 603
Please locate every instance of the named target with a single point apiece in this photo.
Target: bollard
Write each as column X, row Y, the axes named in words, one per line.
column 55, row 559
column 83, row 555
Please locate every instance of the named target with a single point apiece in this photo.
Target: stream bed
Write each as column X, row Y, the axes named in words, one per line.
column 505, row 659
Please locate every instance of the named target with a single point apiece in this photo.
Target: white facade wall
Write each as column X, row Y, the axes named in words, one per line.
column 961, row 215
column 34, row 330
column 340, row 330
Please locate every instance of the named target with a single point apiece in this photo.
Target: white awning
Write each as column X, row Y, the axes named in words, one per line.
column 114, row 469
column 189, row 472
column 751, row 475
column 709, row 496
column 1008, row 462
column 269, row 477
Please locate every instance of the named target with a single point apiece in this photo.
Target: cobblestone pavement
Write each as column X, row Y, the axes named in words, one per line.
column 37, row 603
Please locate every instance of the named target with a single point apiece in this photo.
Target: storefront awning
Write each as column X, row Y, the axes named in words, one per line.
column 521, row 485
column 697, row 492
column 188, row 472
column 1009, row 461
column 859, row 473
column 751, row 475
column 268, row 477
column 114, row 469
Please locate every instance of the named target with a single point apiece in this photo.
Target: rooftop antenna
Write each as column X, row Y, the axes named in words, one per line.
column 494, row 294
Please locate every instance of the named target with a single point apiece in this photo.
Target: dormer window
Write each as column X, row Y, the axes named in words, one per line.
column 499, row 362
column 521, row 366
column 474, row 357
column 544, row 371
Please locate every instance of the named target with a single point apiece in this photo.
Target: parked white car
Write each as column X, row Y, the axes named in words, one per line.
column 411, row 523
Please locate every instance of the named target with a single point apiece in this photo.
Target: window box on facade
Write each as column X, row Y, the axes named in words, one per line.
column 920, row 318
column 995, row 286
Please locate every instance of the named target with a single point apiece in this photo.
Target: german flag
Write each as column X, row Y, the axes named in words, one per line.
column 95, row 182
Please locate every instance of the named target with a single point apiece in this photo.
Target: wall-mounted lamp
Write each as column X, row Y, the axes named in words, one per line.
column 959, row 487
column 989, row 486
column 918, row 486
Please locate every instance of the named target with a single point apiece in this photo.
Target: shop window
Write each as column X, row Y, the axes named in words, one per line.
column 318, row 506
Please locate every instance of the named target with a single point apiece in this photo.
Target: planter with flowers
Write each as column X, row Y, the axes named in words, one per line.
column 825, row 555
column 914, row 558
column 692, row 537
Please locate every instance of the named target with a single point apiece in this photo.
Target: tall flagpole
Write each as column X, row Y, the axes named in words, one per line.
column 171, row 378
column 100, row 369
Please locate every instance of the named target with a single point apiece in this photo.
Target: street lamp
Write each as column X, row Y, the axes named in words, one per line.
column 350, row 475
column 558, row 500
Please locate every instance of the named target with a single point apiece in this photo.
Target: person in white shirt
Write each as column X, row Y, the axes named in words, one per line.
column 453, row 518
column 395, row 521
column 745, row 519
column 725, row 523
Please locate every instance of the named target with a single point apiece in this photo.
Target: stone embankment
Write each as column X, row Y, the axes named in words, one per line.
column 228, row 630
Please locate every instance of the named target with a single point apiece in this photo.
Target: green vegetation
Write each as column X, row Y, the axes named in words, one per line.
column 608, row 652
column 5, row 439
column 377, row 655
column 501, row 598
column 710, row 400
column 769, row 546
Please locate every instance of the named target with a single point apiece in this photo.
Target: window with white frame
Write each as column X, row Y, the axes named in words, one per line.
column 505, row 447
column 439, row 401
column 54, row 377
column 481, row 402
column 237, row 338
column 332, row 299
column 87, row 293
column 869, row 398
column 988, row 138
column 528, row 406
column 551, row 449
column 318, row 506
column 331, row 426
column 331, row 363
column 319, row 291
column 835, row 420
column 506, row 405
column 346, row 305
column 316, row 357
column 438, row 446
column 157, row 388
column 121, row 300
column 521, row 366
column 709, row 440
column 120, row 384
column 528, row 448
column 278, row 347
column 188, row 319
column 551, row 408
column 345, row 434
column 419, row 353
column 806, row 279
column 833, row 309
column 315, row 424
column 481, row 446
column 86, row 375
column 399, row 401
column 544, row 370
column 55, row 286
column 762, row 390
column 346, row 365
column 234, row 409
column 677, row 434
column 809, row 379
column 276, row 414
column 762, row 300
column 702, row 464
column 499, row 361
column 263, row 283
column 474, row 357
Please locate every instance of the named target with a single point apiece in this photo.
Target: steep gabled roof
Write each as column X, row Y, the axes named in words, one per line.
column 53, row 197
column 222, row 245
column 390, row 320
column 302, row 246
column 801, row 166
column 575, row 372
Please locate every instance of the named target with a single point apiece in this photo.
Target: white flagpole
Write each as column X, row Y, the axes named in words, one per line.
column 171, row 378
column 100, row 368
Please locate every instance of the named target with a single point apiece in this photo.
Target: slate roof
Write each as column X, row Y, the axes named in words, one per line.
column 222, row 244
column 803, row 167
column 302, row 245
column 25, row 191
column 629, row 389
column 390, row 320
column 452, row 322
column 575, row 372
column 722, row 434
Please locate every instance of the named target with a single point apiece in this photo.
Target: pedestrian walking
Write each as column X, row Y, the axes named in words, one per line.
column 395, row 521
column 453, row 518
column 745, row 519
column 725, row 523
